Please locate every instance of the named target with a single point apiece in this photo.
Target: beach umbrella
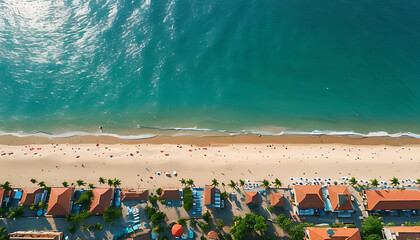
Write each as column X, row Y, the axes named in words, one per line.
column 212, row 235
column 175, row 173
column 177, row 230
column 158, row 173
column 292, row 179
column 319, row 179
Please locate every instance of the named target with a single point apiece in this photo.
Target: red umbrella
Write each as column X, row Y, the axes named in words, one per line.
column 177, row 230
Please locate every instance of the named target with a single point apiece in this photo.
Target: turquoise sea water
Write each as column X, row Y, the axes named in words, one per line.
column 253, row 65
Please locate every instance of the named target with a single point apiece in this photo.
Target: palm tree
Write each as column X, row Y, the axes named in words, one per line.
column 6, row 185
column 101, row 180
column 33, row 180
column 190, row 182
column 42, row 184
column 353, row 181
column 110, row 182
column 277, row 183
column 266, row 184
column 232, row 184
column 395, row 181
column 65, row 184
column 116, row 182
column 215, row 182
column 80, row 183
column 91, row 186
column 183, row 182
column 374, row 182
column 418, row 181
column 241, row 183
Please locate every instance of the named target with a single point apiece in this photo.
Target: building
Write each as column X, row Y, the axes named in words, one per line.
column 401, row 233
column 277, row 199
column 33, row 196
column 2, row 192
column 340, row 200
column 322, row 233
column 393, row 201
column 102, row 198
column 251, row 197
column 60, row 202
column 170, row 194
column 5, row 197
column 131, row 195
column 42, row 235
column 308, row 199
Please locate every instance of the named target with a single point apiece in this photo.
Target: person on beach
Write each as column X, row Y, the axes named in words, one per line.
column 101, row 129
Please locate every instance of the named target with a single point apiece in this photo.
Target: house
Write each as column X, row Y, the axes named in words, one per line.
column 170, row 194
column 42, row 235
column 251, row 197
column 33, row 196
column 102, row 198
column 131, row 195
column 277, row 199
column 308, row 199
column 2, row 192
column 392, row 201
column 212, row 197
column 322, row 233
column 5, row 197
column 401, row 233
column 60, row 202
column 340, row 199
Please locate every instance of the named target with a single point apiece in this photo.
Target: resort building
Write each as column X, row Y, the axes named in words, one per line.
column 131, row 195
column 60, row 202
column 401, row 233
column 322, row 233
column 102, row 198
column 340, row 200
column 212, row 198
column 33, row 196
column 308, row 199
column 42, row 235
column 393, row 201
column 170, row 194
column 251, row 197
column 2, row 193
column 277, row 199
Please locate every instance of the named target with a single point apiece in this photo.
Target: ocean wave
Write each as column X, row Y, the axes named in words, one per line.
column 188, row 132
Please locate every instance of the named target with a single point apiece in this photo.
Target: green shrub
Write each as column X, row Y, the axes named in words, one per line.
column 220, row 224
column 163, row 201
column 158, row 229
column 150, row 211
column 17, row 212
column 207, row 216
column 204, row 226
column 193, row 223
column 153, row 199
column 72, row 229
column 372, row 225
column 85, row 198
column 182, row 221
column 224, row 196
column 270, row 208
column 159, row 191
column 111, row 214
column 336, row 225
column 158, row 217
column 188, row 199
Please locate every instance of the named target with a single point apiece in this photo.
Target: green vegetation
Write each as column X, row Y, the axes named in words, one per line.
column 277, row 183
column 158, row 229
column 372, row 228
column 270, row 208
column 3, row 234
column 111, row 214
column 394, row 181
column 224, row 196
column 153, row 199
column 412, row 224
column 155, row 216
column 232, row 184
column 4, row 211
column 80, row 183
column 97, row 226
column 65, row 184
column 39, row 206
column 163, row 201
column 391, row 224
column 101, row 180
column 204, row 226
column 193, row 223
column 220, row 224
column 85, row 198
column 207, row 216
column 245, row 225
column 75, row 219
column 182, row 221
column 91, row 186
column 188, row 198
column 6, row 185
column 241, row 183
column 266, row 184
column 353, row 181
column 33, row 180
column 183, row 182
column 295, row 232
column 215, row 182
column 337, row 224
column 159, row 191
column 374, row 182
column 17, row 212
column 190, row 182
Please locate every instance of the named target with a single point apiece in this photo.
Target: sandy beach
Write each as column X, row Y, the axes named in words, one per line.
column 251, row 157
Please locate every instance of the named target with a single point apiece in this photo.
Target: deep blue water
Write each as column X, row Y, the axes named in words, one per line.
column 233, row 65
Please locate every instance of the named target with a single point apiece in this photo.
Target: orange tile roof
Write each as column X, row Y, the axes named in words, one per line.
column 101, row 200
column 403, row 233
column 392, row 199
column 1, row 195
column 320, row 233
column 251, row 197
column 209, row 192
column 309, row 196
column 131, row 195
column 28, row 196
column 170, row 194
column 340, row 192
column 277, row 199
column 59, row 203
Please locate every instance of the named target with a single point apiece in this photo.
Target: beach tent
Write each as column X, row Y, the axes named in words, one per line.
column 177, row 230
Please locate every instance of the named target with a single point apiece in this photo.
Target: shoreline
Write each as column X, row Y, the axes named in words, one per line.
column 308, row 139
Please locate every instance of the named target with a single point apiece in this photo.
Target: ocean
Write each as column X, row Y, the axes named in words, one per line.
column 269, row 67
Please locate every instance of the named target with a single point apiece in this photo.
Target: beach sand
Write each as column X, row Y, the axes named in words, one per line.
column 251, row 157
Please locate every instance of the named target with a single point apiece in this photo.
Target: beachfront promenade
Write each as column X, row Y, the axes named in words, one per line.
column 322, row 202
